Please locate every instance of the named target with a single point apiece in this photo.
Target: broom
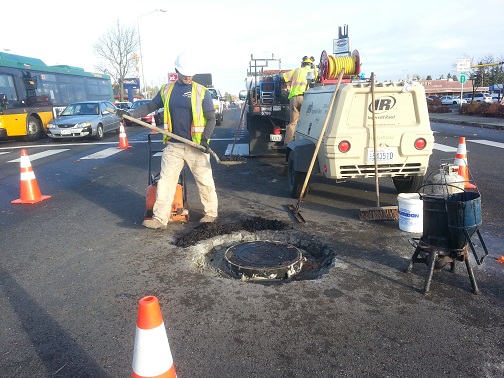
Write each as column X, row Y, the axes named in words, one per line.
column 384, row 212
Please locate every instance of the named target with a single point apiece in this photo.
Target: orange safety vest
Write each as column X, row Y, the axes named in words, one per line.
column 198, row 117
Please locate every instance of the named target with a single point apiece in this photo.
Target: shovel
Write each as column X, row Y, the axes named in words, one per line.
column 181, row 139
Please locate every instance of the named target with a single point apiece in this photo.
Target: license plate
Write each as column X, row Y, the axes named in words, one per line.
column 382, row 154
column 275, row 137
column 66, row 132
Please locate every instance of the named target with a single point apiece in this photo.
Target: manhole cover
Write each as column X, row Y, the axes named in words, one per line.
column 264, row 260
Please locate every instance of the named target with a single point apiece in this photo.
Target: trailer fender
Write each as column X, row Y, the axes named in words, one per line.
column 302, row 154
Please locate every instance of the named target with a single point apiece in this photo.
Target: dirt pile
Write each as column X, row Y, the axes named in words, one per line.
column 209, row 230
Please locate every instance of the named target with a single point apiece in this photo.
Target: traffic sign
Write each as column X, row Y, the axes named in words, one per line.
column 462, row 79
column 463, row 65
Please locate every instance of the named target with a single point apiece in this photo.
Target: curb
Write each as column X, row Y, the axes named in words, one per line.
column 468, row 123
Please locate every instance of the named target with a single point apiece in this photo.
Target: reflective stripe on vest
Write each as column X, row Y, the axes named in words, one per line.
column 198, row 116
column 298, row 81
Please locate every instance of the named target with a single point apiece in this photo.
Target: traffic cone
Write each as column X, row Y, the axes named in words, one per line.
column 461, row 162
column 123, row 140
column 152, row 355
column 153, row 123
column 30, row 192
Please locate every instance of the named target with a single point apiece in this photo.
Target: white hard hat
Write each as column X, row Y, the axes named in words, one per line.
column 185, row 65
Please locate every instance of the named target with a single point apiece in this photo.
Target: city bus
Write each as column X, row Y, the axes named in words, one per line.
column 33, row 93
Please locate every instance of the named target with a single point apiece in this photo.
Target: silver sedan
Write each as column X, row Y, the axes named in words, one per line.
column 82, row 120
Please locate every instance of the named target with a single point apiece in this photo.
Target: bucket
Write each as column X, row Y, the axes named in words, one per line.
column 464, row 213
column 435, row 221
column 410, row 212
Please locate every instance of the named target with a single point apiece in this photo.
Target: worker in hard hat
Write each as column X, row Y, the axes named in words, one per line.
column 188, row 112
column 297, row 80
column 298, row 83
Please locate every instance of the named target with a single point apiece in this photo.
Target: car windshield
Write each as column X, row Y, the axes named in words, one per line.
column 139, row 103
column 81, row 109
column 213, row 92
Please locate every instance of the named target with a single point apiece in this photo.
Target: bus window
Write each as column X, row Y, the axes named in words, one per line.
column 7, row 87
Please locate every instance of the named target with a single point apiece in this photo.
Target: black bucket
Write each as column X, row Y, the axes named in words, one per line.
column 463, row 213
column 435, row 221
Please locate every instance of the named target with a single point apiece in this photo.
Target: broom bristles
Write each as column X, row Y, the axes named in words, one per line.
column 379, row 213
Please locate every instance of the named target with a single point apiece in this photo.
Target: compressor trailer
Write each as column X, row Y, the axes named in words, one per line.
column 404, row 136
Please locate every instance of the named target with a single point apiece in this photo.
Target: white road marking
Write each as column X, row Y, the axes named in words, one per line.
column 238, row 150
column 488, row 143
column 40, row 155
column 442, row 147
column 102, row 154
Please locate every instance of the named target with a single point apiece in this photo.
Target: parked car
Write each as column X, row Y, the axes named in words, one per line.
column 452, row 100
column 137, row 104
column 496, row 97
column 84, row 119
column 123, row 105
column 478, row 97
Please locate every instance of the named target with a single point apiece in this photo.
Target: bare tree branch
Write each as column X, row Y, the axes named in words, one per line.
column 117, row 48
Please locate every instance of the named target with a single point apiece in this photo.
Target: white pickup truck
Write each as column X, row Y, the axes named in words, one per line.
column 218, row 102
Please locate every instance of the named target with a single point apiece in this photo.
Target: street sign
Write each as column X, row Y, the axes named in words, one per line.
column 462, row 79
column 463, row 65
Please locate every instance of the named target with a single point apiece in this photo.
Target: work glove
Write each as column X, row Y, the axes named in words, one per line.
column 204, row 143
column 121, row 112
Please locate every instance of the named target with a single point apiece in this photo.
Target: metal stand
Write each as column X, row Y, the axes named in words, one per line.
column 436, row 257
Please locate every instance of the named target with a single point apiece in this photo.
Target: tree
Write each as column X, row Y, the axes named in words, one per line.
column 117, row 48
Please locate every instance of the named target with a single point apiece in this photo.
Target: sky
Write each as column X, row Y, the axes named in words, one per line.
column 395, row 39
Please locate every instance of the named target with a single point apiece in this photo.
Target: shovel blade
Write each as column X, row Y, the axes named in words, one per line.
column 295, row 212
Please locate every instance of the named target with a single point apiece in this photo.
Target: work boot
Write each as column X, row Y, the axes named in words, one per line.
column 153, row 223
column 208, row 219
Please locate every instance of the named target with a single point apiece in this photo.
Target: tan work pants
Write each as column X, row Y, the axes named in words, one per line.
column 295, row 107
column 175, row 155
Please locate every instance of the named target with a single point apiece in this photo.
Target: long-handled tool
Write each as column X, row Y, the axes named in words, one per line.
column 295, row 210
column 243, row 110
column 385, row 212
column 181, row 139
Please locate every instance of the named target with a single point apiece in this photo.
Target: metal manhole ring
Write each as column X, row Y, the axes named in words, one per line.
column 264, row 260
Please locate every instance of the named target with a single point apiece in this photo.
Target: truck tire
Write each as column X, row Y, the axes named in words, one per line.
column 295, row 179
column 410, row 184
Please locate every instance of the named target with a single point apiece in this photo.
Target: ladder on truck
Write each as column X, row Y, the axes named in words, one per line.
column 264, row 84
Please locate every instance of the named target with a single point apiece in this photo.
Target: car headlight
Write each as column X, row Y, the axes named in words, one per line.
column 83, row 124
column 51, row 125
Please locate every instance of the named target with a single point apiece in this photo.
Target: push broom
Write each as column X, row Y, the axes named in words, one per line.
column 378, row 212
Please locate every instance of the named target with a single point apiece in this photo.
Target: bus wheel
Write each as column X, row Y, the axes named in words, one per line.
column 33, row 130
column 99, row 132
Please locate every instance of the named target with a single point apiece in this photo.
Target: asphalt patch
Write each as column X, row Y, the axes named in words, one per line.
column 209, row 230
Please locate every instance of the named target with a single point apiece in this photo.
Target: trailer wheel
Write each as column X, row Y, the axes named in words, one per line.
column 295, row 179
column 410, row 184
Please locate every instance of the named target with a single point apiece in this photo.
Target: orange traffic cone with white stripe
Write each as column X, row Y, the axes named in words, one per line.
column 153, row 123
column 123, row 140
column 152, row 355
column 461, row 161
column 30, row 192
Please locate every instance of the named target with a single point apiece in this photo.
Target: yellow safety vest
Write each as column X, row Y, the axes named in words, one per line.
column 297, row 80
column 198, row 117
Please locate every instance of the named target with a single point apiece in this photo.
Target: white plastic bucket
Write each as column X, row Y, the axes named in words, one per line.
column 410, row 212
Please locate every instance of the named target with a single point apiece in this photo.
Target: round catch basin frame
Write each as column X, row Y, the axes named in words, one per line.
column 264, row 260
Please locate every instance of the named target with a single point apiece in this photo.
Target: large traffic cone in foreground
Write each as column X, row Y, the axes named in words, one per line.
column 461, row 161
column 123, row 140
column 152, row 355
column 30, row 192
